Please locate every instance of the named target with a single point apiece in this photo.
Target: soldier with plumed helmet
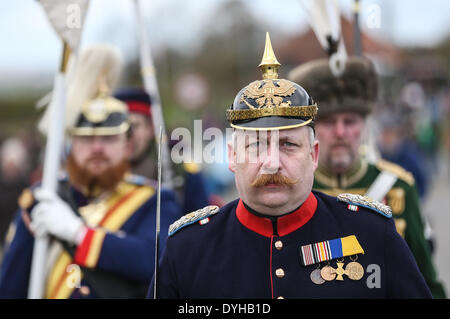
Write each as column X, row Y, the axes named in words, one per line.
column 101, row 222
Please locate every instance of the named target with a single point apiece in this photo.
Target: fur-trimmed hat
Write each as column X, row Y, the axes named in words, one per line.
column 354, row 91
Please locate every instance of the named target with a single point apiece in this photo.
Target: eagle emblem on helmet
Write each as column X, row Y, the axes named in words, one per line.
column 268, row 93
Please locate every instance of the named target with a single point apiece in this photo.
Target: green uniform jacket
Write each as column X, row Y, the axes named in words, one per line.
column 404, row 201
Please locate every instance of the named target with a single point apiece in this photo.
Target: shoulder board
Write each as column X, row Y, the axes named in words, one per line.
column 399, row 171
column 193, row 217
column 358, row 200
column 139, row 180
column 26, row 199
column 191, row 167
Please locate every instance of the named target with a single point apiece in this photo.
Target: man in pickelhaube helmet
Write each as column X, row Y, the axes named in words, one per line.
column 102, row 221
column 280, row 239
column 345, row 101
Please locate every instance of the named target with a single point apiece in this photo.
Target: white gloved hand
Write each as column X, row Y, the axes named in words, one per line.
column 54, row 216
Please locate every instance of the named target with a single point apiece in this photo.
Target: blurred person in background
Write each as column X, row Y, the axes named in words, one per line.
column 419, row 116
column 445, row 105
column 344, row 103
column 397, row 146
column 101, row 222
column 143, row 147
column 143, row 159
column 13, row 179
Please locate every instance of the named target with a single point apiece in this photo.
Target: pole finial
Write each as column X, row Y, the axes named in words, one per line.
column 269, row 64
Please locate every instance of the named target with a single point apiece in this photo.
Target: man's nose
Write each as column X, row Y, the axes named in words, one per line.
column 97, row 144
column 339, row 128
column 271, row 159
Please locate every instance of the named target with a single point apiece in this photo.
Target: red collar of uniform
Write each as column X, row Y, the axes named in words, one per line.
column 285, row 224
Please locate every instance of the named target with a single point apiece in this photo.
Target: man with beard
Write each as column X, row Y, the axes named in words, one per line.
column 280, row 239
column 345, row 102
column 102, row 221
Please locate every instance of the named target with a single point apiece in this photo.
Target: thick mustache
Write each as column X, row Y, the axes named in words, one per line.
column 278, row 179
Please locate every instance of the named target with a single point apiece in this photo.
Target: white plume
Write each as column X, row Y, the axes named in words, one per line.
column 96, row 63
column 324, row 19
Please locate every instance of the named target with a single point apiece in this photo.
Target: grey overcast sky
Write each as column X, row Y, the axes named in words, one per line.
column 28, row 42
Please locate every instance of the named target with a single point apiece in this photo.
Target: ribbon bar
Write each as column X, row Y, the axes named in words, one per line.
column 330, row 249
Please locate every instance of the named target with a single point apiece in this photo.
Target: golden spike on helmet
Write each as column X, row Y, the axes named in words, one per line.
column 269, row 64
column 271, row 103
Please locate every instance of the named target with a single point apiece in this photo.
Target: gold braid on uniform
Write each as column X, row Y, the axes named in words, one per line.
column 399, row 171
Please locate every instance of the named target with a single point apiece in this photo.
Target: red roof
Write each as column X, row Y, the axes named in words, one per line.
column 305, row 47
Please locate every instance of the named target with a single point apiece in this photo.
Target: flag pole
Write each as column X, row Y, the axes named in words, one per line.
column 356, row 29
column 158, row 218
column 151, row 87
column 53, row 150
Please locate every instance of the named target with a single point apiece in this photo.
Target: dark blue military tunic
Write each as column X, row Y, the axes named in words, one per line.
column 121, row 247
column 238, row 254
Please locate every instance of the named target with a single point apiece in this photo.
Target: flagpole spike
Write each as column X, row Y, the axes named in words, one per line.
column 269, row 64
column 65, row 57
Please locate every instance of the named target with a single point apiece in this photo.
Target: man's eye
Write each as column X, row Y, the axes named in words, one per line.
column 289, row 144
column 254, row 144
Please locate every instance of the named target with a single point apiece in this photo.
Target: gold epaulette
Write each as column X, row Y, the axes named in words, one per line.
column 26, row 199
column 191, row 167
column 139, row 180
column 399, row 171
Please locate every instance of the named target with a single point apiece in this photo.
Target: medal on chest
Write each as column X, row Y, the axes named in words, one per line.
column 329, row 250
column 354, row 270
column 316, row 276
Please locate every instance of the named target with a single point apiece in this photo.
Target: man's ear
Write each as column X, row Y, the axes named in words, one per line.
column 128, row 147
column 315, row 153
column 150, row 129
column 231, row 157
